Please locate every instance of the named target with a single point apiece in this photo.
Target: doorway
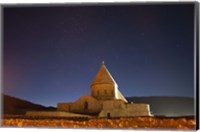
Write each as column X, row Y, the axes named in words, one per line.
column 108, row 115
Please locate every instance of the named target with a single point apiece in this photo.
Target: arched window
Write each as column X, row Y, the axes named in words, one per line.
column 112, row 92
column 97, row 92
column 85, row 105
column 105, row 91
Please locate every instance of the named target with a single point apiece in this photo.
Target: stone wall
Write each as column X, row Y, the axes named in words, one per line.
column 113, row 113
column 84, row 105
column 139, row 109
column 103, row 108
column 87, row 105
column 112, row 104
column 64, row 107
column 117, row 108
column 53, row 114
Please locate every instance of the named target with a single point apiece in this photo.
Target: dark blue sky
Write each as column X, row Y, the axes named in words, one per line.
column 51, row 54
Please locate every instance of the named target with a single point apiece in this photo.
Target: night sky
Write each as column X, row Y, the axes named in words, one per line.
column 51, row 54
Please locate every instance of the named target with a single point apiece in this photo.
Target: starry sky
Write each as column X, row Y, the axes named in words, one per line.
column 52, row 53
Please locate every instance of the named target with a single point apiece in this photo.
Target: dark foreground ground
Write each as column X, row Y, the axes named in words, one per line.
column 180, row 123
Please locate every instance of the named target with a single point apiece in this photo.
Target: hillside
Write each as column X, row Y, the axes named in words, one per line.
column 167, row 106
column 12, row 105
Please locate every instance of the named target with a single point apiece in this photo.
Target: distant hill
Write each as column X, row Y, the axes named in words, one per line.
column 12, row 105
column 167, row 106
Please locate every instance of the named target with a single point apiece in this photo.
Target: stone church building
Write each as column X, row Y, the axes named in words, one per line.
column 105, row 100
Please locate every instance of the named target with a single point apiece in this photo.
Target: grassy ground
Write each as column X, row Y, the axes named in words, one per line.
column 180, row 123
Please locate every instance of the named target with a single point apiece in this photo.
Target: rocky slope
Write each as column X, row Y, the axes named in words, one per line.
column 12, row 105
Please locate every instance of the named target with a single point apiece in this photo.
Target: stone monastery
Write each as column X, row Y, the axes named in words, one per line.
column 105, row 100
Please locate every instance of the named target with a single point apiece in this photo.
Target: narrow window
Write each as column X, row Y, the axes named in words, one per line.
column 69, row 108
column 85, row 105
column 105, row 91
column 112, row 93
column 98, row 93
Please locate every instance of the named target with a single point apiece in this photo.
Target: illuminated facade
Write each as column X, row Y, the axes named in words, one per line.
column 105, row 100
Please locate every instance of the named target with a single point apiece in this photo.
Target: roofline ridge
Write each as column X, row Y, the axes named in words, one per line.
column 109, row 73
column 95, row 80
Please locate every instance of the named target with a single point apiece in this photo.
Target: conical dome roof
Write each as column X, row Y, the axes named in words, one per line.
column 103, row 76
